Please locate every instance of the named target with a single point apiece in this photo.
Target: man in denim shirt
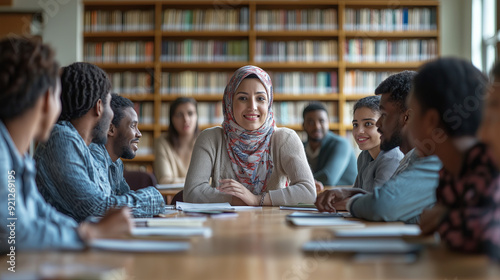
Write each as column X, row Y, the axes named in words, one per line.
column 123, row 140
column 68, row 176
column 29, row 105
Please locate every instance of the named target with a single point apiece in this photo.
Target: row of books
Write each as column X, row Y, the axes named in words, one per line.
column 145, row 112
column 296, row 51
column 390, row 19
column 204, row 51
column 290, row 113
column 116, row 20
column 304, row 82
column 132, row 82
column 359, row 82
column 118, row 52
column 368, row 50
column 207, row 19
column 298, row 19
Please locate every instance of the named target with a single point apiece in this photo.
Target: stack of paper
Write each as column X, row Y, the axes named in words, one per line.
column 172, row 231
column 314, row 215
column 301, row 207
column 170, row 186
column 139, row 245
column 361, row 246
column 164, row 222
column 379, row 231
column 184, row 206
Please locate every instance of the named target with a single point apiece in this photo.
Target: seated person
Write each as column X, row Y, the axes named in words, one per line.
column 411, row 189
column 29, row 106
column 446, row 103
column 68, row 176
column 123, row 140
column 173, row 150
column 330, row 156
column 249, row 161
column 374, row 167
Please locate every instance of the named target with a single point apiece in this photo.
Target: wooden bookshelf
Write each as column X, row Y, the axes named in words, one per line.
column 339, row 97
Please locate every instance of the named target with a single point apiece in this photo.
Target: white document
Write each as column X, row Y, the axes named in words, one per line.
column 162, row 222
column 170, row 186
column 298, row 208
column 184, row 206
column 321, row 222
column 172, row 231
column 125, row 245
column 246, row 208
column 314, row 215
column 379, row 231
column 361, row 246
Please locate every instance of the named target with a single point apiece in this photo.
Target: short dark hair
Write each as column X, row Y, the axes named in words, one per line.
column 448, row 85
column 314, row 106
column 398, row 86
column 82, row 85
column 118, row 104
column 370, row 102
column 172, row 134
column 27, row 70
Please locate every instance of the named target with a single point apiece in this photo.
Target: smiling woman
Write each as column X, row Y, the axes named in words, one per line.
column 249, row 157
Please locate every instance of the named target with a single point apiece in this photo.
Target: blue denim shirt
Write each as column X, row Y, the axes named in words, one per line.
column 151, row 198
column 38, row 225
column 408, row 192
column 70, row 179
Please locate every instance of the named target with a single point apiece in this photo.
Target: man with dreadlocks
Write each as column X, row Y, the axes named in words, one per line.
column 68, row 176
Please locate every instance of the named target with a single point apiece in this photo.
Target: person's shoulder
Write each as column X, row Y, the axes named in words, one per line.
column 63, row 132
column 98, row 150
column 212, row 134
column 284, row 133
column 393, row 154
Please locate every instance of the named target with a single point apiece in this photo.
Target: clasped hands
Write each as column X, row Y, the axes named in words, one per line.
column 241, row 195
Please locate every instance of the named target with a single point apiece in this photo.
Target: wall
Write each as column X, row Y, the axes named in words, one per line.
column 63, row 26
column 455, row 16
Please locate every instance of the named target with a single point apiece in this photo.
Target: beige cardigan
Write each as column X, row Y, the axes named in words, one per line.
column 211, row 160
column 168, row 166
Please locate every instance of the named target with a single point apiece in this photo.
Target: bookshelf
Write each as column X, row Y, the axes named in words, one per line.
column 332, row 51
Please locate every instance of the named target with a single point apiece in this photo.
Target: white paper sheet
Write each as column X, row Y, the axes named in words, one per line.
column 204, row 206
column 379, row 231
column 139, row 245
column 162, row 222
column 318, row 222
column 361, row 246
column 172, row 231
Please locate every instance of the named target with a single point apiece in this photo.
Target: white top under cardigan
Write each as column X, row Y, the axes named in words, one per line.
column 210, row 162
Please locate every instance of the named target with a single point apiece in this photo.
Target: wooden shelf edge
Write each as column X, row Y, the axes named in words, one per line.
column 402, row 34
column 142, row 65
column 140, row 158
column 118, row 34
column 207, row 33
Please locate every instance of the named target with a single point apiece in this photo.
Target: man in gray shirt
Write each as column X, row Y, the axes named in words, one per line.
column 412, row 187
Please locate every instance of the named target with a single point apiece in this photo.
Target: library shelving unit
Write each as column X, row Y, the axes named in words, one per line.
column 331, row 51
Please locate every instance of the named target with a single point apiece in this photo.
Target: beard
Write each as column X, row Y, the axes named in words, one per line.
column 100, row 131
column 395, row 141
column 126, row 151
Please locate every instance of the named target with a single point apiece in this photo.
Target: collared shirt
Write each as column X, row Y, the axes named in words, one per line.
column 375, row 172
column 70, row 179
column 37, row 224
column 473, row 200
column 407, row 193
column 151, row 200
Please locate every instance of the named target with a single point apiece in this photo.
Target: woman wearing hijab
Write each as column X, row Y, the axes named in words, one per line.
column 249, row 161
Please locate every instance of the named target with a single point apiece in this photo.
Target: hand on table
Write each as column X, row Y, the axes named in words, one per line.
column 319, row 186
column 115, row 224
column 431, row 218
column 331, row 200
column 239, row 191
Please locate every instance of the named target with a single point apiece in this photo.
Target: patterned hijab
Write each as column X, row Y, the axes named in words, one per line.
column 249, row 149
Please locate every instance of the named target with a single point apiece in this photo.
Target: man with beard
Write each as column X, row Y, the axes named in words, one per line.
column 412, row 187
column 123, row 138
column 68, row 177
column 330, row 156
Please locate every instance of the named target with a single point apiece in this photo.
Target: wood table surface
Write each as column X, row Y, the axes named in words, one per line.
column 259, row 244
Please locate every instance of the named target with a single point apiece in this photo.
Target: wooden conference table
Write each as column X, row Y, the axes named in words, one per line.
column 259, row 244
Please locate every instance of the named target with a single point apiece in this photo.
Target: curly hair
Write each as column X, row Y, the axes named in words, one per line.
column 82, row 85
column 314, row 106
column 398, row 86
column 118, row 104
column 456, row 89
column 27, row 70
column 370, row 102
